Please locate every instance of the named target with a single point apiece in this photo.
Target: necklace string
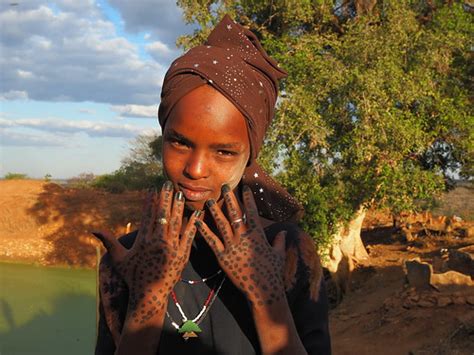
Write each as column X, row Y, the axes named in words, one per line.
column 193, row 282
column 204, row 310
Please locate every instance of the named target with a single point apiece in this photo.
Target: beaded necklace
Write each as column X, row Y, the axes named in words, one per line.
column 189, row 327
column 193, row 282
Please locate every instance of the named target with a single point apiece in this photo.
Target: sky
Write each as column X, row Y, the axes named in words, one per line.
column 79, row 79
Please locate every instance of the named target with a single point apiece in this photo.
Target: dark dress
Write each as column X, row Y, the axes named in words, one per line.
column 228, row 327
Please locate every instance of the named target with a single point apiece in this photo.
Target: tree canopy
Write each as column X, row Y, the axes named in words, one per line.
column 140, row 169
column 377, row 107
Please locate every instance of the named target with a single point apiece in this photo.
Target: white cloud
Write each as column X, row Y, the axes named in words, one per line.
column 159, row 50
column 87, row 111
column 136, row 111
column 24, row 74
column 21, row 139
column 162, row 18
column 14, row 95
column 61, row 127
column 68, row 52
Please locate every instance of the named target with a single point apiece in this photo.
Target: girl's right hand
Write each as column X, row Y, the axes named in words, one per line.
column 158, row 256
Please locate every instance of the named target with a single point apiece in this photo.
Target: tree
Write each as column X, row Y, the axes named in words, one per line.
column 141, row 168
column 376, row 109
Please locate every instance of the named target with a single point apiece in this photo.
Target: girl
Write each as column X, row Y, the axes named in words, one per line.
column 218, row 265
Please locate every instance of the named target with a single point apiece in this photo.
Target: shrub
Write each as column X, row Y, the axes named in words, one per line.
column 15, row 176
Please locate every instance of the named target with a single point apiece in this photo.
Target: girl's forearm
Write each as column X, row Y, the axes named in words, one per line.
column 276, row 329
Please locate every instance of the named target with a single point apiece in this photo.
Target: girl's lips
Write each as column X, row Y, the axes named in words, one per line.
column 192, row 194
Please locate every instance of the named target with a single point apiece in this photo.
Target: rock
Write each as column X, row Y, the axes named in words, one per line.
column 421, row 276
column 462, row 260
column 414, row 298
column 467, row 232
column 427, row 302
column 452, row 281
column 444, row 301
column 459, row 299
column 407, row 304
column 418, row 273
column 470, row 300
column 439, row 264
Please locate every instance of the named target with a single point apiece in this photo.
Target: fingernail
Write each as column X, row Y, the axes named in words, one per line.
column 168, row 186
column 210, row 203
column 198, row 223
column 246, row 188
column 225, row 188
column 179, row 195
column 197, row 213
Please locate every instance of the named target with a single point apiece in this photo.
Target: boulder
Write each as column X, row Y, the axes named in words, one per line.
column 421, row 276
column 462, row 260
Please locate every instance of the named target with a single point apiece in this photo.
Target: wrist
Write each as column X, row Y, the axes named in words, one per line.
column 146, row 310
column 141, row 331
column 276, row 328
column 274, row 310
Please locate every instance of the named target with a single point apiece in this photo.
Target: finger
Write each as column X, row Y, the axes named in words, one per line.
column 212, row 240
column 279, row 244
column 234, row 212
column 176, row 218
column 116, row 250
column 189, row 233
column 223, row 225
column 251, row 210
column 164, row 208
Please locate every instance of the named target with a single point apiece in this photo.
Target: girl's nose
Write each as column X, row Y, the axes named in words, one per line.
column 197, row 166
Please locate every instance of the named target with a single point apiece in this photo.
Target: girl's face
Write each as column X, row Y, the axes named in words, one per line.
column 205, row 145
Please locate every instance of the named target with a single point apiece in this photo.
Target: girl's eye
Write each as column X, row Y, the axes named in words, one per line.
column 178, row 143
column 226, row 153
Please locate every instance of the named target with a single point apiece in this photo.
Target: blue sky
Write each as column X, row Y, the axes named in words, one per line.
column 79, row 80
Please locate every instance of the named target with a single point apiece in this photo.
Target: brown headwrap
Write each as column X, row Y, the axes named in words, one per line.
column 233, row 61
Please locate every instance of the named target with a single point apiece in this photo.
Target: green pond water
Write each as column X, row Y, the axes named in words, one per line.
column 47, row 310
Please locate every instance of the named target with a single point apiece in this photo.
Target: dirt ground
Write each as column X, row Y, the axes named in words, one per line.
column 49, row 224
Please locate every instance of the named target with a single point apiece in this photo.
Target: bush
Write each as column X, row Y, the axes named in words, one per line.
column 82, row 181
column 140, row 170
column 134, row 176
column 15, row 176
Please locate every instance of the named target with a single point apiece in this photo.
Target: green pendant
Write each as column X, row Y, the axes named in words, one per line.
column 189, row 327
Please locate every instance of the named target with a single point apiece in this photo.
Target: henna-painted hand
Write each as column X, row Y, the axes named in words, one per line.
column 243, row 252
column 157, row 258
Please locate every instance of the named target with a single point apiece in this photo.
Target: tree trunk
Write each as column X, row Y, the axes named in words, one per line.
column 346, row 250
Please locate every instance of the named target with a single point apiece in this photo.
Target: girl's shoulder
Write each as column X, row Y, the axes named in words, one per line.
column 302, row 262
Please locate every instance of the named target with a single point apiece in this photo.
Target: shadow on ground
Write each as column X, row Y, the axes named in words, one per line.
column 77, row 212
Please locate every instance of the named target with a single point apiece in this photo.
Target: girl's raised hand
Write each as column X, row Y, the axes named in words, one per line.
column 243, row 252
column 158, row 256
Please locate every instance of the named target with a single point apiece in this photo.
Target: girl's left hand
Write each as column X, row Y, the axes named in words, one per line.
column 243, row 252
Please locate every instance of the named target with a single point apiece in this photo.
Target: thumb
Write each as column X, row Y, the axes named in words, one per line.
column 279, row 244
column 116, row 250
